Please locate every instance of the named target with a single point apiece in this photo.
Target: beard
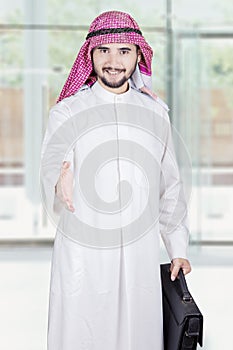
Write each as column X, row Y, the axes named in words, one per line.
column 117, row 84
column 113, row 85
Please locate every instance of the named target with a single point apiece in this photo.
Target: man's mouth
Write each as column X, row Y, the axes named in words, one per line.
column 113, row 72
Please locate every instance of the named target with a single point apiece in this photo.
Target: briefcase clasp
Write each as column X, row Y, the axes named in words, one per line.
column 187, row 297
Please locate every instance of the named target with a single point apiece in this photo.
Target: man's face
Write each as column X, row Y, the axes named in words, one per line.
column 114, row 64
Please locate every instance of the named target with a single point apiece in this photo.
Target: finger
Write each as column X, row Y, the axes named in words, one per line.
column 67, row 199
column 66, row 189
column 175, row 271
column 70, row 206
column 186, row 269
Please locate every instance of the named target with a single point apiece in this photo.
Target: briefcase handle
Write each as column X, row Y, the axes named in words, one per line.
column 186, row 296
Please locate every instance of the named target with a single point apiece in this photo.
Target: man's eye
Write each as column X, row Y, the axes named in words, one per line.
column 103, row 50
column 124, row 52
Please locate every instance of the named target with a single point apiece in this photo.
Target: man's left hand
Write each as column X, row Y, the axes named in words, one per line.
column 177, row 264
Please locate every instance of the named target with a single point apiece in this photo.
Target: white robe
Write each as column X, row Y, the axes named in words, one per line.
column 105, row 290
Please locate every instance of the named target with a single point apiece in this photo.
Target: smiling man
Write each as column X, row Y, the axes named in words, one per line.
column 116, row 188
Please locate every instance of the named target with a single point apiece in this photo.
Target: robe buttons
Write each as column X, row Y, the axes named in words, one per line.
column 118, row 99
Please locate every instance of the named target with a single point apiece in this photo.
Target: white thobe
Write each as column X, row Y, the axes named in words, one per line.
column 105, row 290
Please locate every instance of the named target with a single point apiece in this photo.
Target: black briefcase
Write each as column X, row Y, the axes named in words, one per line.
column 182, row 320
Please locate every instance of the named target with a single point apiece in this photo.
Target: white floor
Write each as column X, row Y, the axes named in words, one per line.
column 24, row 289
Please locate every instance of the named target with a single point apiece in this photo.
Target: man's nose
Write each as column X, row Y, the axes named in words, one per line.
column 114, row 60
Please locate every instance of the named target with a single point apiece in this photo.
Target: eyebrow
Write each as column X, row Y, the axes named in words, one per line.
column 107, row 48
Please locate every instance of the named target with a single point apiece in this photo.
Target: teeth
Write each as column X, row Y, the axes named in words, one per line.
column 113, row 72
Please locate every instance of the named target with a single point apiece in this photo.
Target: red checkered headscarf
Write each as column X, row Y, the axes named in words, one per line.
column 110, row 27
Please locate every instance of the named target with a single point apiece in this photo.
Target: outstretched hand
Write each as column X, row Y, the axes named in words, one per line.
column 64, row 186
column 177, row 264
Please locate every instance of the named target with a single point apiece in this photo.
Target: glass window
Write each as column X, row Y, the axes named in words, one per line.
column 203, row 114
column 39, row 41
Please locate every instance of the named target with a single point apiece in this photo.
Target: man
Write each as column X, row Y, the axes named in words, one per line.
column 109, row 172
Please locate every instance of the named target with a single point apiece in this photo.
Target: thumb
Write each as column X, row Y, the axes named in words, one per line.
column 65, row 165
column 174, row 272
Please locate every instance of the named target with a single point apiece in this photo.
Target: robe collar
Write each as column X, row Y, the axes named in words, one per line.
column 108, row 96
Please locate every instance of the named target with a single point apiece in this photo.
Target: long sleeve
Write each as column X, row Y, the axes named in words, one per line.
column 54, row 151
column 173, row 207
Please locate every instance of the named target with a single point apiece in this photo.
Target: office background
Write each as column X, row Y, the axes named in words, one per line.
column 192, row 71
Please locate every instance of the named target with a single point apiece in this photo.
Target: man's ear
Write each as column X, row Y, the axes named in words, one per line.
column 139, row 52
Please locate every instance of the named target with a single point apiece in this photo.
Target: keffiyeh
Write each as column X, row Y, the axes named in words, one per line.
column 110, row 27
